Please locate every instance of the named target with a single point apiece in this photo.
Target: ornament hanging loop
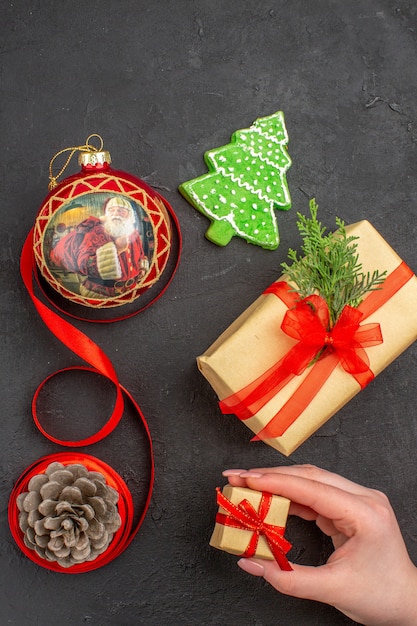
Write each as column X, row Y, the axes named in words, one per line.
column 87, row 147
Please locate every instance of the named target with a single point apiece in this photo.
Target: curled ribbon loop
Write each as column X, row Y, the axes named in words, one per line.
column 245, row 517
column 99, row 363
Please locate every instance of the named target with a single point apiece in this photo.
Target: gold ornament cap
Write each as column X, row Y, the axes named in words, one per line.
column 89, row 156
column 94, row 158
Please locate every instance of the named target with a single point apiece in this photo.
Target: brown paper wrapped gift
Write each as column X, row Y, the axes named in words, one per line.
column 251, row 523
column 255, row 342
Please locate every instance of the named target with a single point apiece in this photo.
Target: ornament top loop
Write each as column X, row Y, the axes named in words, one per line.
column 90, row 147
column 86, row 148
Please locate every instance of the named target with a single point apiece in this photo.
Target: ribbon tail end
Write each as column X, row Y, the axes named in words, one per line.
column 282, row 561
column 286, row 567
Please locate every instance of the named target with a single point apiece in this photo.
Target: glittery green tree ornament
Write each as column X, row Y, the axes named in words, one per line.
column 245, row 184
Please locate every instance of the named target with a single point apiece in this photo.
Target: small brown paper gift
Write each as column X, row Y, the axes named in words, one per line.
column 254, row 343
column 252, row 523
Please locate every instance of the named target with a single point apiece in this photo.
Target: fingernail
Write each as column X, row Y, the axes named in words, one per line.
column 250, row 474
column 251, row 567
column 233, row 472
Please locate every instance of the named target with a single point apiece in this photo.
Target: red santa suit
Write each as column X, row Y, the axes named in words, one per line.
column 90, row 251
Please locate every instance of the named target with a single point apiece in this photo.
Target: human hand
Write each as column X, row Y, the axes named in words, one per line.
column 369, row 577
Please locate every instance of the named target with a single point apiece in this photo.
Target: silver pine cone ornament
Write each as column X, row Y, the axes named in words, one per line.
column 69, row 515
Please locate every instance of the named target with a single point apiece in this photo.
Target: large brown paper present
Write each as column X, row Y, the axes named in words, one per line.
column 251, row 523
column 255, row 342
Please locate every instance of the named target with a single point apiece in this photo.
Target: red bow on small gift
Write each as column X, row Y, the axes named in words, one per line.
column 244, row 516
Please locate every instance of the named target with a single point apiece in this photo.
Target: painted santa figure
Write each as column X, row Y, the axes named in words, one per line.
column 106, row 252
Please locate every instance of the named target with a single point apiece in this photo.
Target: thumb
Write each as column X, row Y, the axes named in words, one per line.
column 309, row 583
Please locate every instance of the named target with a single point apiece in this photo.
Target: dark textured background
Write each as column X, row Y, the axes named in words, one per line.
column 163, row 82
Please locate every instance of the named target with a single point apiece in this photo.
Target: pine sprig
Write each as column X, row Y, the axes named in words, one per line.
column 329, row 265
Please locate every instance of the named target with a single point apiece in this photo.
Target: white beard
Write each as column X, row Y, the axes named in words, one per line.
column 118, row 228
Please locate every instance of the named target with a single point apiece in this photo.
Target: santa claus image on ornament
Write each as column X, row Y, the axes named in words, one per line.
column 103, row 247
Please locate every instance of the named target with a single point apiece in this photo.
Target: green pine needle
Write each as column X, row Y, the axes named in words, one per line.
column 329, row 265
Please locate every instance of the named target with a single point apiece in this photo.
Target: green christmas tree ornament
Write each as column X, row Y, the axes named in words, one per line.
column 246, row 182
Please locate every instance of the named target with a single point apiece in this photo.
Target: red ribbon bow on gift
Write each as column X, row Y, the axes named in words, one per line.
column 244, row 516
column 309, row 323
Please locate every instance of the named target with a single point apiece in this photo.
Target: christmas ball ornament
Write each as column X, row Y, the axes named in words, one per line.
column 102, row 237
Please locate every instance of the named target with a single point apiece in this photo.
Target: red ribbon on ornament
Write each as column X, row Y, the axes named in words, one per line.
column 245, row 517
column 307, row 321
column 99, row 363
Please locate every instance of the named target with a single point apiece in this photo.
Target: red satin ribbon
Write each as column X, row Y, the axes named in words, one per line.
column 244, row 516
column 99, row 363
column 347, row 341
column 78, row 343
